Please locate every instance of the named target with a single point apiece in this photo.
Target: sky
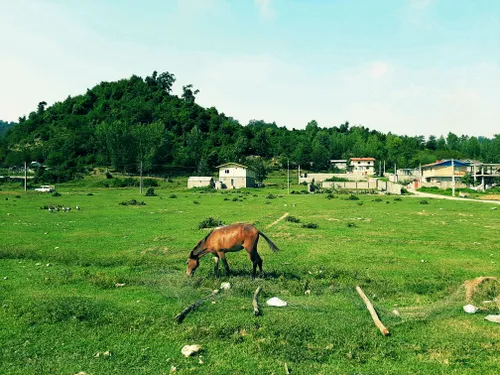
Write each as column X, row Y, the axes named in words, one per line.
column 410, row 67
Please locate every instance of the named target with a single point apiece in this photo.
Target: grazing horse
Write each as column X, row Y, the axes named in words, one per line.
column 229, row 238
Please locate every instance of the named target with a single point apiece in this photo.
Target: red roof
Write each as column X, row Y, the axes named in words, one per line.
column 363, row 159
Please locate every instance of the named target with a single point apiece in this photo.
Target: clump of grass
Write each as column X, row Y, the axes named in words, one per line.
column 397, row 199
column 271, row 196
column 210, row 222
column 151, row 192
column 292, row 219
column 423, row 201
column 132, row 202
column 90, row 194
column 56, row 194
column 330, row 196
column 172, row 196
column 18, row 196
column 196, row 202
column 226, row 198
column 235, row 199
column 378, row 199
column 351, row 225
column 360, row 203
column 352, row 197
column 310, row 225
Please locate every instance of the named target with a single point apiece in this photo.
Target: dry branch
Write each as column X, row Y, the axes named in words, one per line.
column 372, row 311
column 256, row 310
column 180, row 317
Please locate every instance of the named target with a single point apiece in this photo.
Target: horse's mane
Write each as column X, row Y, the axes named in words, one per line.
column 197, row 247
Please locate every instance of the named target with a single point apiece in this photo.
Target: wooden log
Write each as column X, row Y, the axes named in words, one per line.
column 256, row 310
column 180, row 317
column 372, row 311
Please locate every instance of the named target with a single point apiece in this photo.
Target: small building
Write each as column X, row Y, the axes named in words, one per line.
column 441, row 172
column 200, row 181
column 235, row 176
column 340, row 164
column 363, row 166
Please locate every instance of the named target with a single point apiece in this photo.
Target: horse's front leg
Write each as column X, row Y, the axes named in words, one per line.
column 216, row 265
column 222, row 256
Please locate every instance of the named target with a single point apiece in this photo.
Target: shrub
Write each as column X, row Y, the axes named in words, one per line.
column 352, row 197
column 292, row 219
column 150, row 193
column 196, row 202
column 330, row 196
column 90, row 194
column 172, row 196
column 271, row 196
column 226, row 198
column 310, row 225
column 360, row 203
column 397, row 199
column 351, row 225
column 423, row 202
column 132, row 202
column 210, row 222
column 56, row 194
column 378, row 199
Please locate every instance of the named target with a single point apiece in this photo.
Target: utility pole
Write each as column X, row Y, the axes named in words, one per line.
column 384, row 167
column 452, row 177
column 288, row 162
column 25, row 176
column 395, row 174
column 299, row 175
column 140, row 179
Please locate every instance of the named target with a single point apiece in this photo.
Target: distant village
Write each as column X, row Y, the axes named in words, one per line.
column 359, row 173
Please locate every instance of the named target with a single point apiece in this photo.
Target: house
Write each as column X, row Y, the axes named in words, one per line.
column 364, row 166
column 199, row 181
column 234, row 176
column 441, row 172
column 340, row 164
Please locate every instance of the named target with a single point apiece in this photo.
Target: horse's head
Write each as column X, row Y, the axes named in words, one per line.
column 193, row 259
column 192, row 265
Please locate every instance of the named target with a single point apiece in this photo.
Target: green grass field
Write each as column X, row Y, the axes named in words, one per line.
column 60, row 309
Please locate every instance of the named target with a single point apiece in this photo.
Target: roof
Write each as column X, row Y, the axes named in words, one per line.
column 446, row 163
column 363, row 159
column 232, row 165
column 200, row 178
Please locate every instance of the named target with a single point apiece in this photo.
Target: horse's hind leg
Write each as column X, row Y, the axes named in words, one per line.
column 256, row 261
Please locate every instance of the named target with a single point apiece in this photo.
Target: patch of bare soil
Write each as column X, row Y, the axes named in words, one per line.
column 491, row 197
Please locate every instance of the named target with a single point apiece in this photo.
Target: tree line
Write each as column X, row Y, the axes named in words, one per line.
column 138, row 123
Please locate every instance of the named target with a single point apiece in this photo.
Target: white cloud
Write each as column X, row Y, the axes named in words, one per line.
column 265, row 9
column 379, row 69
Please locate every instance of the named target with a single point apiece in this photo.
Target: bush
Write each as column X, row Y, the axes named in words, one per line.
column 330, row 196
column 56, row 194
column 150, row 193
column 397, row 199
column 271, row 196
column 423, row 202
column 172, row 196
column 351, row 225
column 377, row 200
column 352, row 197
column 210, row 222
column 132, row 202
column 310, row 225
column 196, row 202
column 292, row 219
column 90, row 194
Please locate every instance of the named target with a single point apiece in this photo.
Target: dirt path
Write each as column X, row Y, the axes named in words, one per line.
column 278, row 220
column 419, row 194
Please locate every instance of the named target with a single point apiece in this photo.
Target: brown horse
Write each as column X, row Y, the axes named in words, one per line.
column 229, row 238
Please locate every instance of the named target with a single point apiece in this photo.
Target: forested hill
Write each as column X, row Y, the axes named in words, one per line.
column 138, row 121
column 4, row 126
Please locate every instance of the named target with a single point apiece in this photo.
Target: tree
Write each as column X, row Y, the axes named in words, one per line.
column 165, row 81
column 260, row 169
column 188, row 94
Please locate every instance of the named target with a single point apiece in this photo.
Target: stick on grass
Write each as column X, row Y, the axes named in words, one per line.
column 373, row 313
column 256, row 310
column 180, row 317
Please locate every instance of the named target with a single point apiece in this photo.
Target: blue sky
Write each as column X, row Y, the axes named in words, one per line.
column 415, row 67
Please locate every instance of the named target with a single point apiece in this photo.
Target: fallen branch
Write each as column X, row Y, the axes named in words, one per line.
column 277, row 220
column 180, row 317
column 372, row 311
column 256, row 310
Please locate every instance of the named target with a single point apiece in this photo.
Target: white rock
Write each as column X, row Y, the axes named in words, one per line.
column 188, row 350
column 307, row 291
column 225, row 285
column 470, row 309
column 493, row 318
column 275, row 301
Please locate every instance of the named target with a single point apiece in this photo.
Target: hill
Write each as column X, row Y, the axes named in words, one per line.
column 4, row 126
column 136, row 121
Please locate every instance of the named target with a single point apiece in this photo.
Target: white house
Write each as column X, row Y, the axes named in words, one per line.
column 363, row 166
column 234, row 176
column 199, row 181
column 340, row 164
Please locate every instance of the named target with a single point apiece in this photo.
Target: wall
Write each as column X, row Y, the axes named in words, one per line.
column 372, row 184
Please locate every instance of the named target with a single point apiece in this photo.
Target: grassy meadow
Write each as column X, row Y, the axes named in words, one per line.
column 61, row 312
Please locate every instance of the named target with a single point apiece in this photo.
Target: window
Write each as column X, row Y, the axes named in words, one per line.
column 226, row 171
column 359, row 162
column 368, row 163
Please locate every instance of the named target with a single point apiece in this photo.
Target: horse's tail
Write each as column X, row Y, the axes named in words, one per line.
column 269, row 242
